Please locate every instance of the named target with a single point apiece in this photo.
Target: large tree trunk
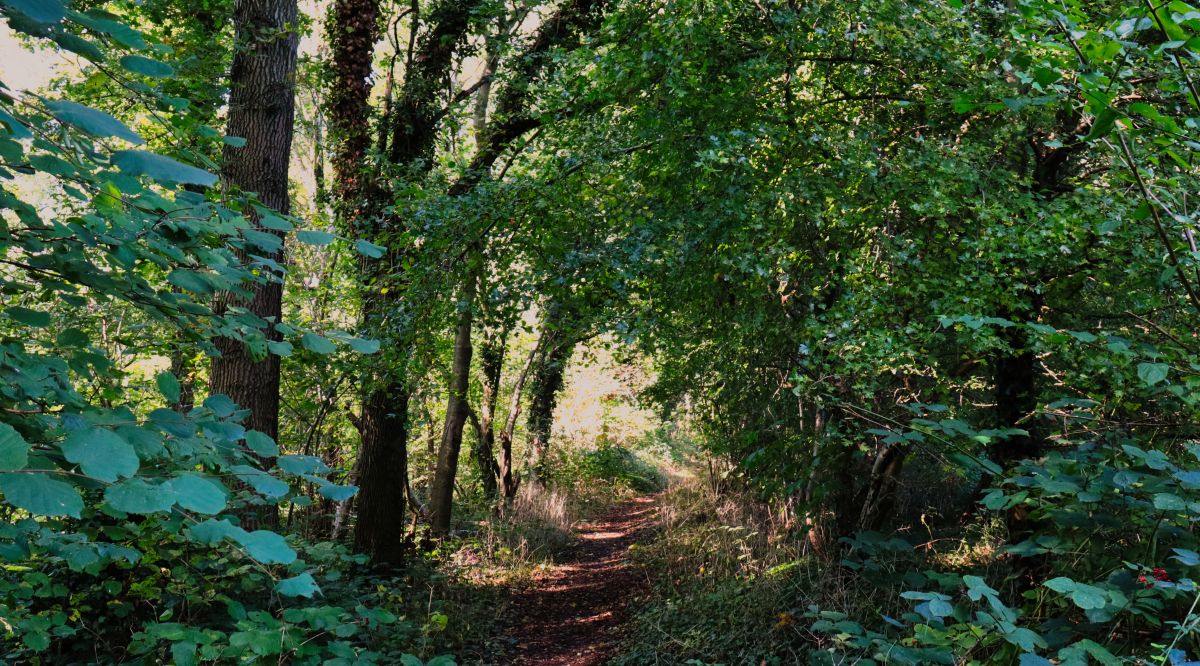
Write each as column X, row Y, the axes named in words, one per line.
column 383, row 453
column 441, row 502
column 383, row 473
column 261, row 111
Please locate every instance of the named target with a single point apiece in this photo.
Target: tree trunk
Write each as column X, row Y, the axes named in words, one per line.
column 491, row 357
column 441, row 502
column 383, row 454
column 510, row 482
column 261, row 111
column 383, row 471
column 547, row 382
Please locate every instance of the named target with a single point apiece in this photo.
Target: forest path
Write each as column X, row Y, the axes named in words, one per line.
column 570, row 615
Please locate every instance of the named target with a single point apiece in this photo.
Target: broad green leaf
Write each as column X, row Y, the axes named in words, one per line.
column 262, row 444
column 337, row 493
column 92, row 121
column 14, row 450
column 262, row 482
column 146, row 66
column 140, row 496
column 168, row 385
column 190, row 280
column 296, row 464
column 101, row 22
column 161, row 168
column 41, row 495
column 221, row 405
column 15, row 127
column 266, row 547
column 368, row 249
column 317, row 344
column 79, row 45
column 299, row 586
column 196, row 493
column 101, row 454
column 363, row 346
column 213, row 531
column 34, row 318
column 310, row 237
column 42, row 11
column 1152, row 373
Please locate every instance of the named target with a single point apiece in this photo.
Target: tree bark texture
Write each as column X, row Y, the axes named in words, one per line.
column 261, row 111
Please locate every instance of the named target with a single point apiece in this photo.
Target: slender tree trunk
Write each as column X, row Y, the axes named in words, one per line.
column 261, row 111
column 509, row 481
column 441, row 502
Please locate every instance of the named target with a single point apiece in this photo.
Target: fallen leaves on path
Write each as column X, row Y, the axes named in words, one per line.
column 569, row 616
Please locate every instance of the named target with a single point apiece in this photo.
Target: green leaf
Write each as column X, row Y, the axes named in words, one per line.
column 299, row 586
column 41, row 495
column 1062, row 585
column 296, row 464
column 14, row 450
column 280, row 348
column 317, row 344
column 262, row 444
column 101, row 454
column 262, row 482
column 266, row 547
column 1152, row 373
column 15, row 127
column 161, row 168
column 222, row 406
column 338, row 493
column 363, row 346
column 147, row 66
column 212, row 532
column 315, row 237
column 34, row 318
column 1169, row 502
column 1026, row 639
column 168, row 385
column 100, row 22
column 368, row 249
column 1102, row 125
column 190, row 280
column 42, row 11
column 92, row 121
column 196, row 493
column 79, row 45
column 140, row 496
column 234, row 141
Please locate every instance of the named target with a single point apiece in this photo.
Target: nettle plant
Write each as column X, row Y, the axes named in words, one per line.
column 122, row 513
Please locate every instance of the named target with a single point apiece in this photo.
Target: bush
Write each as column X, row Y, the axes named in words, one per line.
column 610, row 463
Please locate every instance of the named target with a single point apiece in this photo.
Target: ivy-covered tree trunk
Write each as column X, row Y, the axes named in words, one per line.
column 543, row 390
column 383, row 451
column 262, row 112
column 491, row 361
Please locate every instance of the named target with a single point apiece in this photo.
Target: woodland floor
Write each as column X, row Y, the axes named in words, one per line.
column 572, row 614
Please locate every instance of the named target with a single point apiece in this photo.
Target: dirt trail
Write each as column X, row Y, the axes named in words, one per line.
column 569, row 616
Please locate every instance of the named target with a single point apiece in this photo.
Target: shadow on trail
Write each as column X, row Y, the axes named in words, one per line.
column 570, row 614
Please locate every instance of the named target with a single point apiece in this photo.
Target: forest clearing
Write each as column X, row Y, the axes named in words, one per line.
column 600, row 332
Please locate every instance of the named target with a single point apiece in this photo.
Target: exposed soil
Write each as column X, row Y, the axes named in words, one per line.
column 572, row 613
